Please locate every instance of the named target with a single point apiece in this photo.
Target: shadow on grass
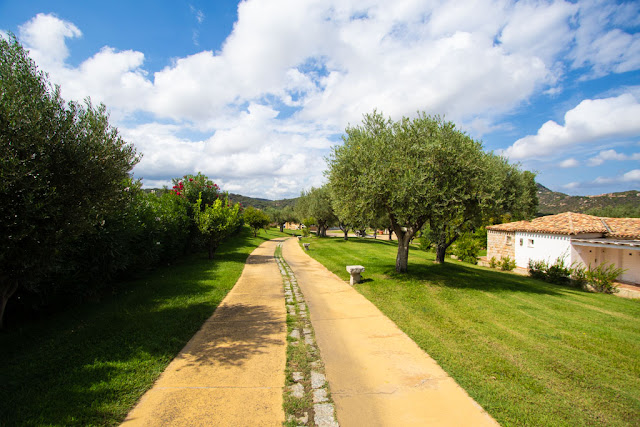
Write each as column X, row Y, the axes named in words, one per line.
column 382, row 254
column 466, row 277
column 90, row 364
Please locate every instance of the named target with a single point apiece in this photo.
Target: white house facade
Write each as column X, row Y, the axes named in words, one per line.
column 575, row 238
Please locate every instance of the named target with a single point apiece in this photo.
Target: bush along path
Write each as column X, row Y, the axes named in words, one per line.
column 306, row 399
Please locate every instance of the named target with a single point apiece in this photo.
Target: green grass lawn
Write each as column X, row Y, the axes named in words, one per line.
column 90, row 364
column 529, row 352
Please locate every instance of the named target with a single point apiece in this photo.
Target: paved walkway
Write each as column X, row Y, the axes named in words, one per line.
column 378, row 376
column 231, row 373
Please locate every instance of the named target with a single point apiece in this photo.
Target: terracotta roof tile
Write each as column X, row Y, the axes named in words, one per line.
column 569, row 223
column 623, row 228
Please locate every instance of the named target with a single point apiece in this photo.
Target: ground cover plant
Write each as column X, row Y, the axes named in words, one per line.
column 90, row 364
column 529, row 352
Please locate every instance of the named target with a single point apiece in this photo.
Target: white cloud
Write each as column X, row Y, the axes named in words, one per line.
column 197, row 13
column 569, row 163
column 602, row 48
column 611, row 155
column 47, row 35
column 633, row 176
column 591, row 120
column 539, row 29
column 330, row 61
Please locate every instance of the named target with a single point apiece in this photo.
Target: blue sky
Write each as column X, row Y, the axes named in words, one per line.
column 254, row 94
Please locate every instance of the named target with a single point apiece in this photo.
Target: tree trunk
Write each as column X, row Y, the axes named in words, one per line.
column 346, row 233
column 7, row 292
column 363, row 232
column 441, row 247
column 282, row 227
column 212, row 248
column 441, row 250
column 375, row 234
column 390, row 233
column 402, row 259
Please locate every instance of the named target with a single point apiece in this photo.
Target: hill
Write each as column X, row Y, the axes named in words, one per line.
column 553, row 202
column 261, row 203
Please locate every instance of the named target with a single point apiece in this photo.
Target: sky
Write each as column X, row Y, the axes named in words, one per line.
column 255, row 93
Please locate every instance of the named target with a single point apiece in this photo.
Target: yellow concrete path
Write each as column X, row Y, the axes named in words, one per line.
column 378, row 376
column 231, row 373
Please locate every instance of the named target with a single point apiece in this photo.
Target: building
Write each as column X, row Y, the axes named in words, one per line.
column 576, row 238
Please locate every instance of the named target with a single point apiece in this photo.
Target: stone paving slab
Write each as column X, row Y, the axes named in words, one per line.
column 378, row 376
column 232, row 371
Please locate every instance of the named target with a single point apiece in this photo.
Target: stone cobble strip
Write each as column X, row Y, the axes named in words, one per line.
column 313, row 405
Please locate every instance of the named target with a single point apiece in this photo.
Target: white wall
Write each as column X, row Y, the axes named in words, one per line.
column 628, row 259
column 541, row 246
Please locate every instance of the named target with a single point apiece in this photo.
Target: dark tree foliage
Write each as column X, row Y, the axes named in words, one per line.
column 64, row 168
column 423, row 171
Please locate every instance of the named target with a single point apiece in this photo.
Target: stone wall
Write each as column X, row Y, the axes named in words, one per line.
column 501, row 244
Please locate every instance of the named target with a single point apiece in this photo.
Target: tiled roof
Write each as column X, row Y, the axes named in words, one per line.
column 623, row 228
column 569, row 223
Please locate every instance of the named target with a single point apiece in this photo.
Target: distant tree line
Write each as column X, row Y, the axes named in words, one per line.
column 621, row 211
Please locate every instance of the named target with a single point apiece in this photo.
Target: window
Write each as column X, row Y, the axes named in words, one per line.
column 530, row 243
column 521, row 241
column 509, row 238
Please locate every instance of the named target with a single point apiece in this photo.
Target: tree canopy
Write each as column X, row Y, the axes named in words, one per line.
column 256, row 219
column 423, row 171
column 316, row 203
column 64, row 168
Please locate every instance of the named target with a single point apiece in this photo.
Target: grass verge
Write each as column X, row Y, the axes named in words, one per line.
column 90, row 364
column 529, row 352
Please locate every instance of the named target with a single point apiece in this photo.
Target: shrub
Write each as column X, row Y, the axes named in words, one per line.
column 538, row 269
column 578, row 275
column 425, row 242
column 306, row 232
column 493, row 262
column 217, row 221
column 558, row 273
column 467, row 249
column 507, row 264
column 602, row 277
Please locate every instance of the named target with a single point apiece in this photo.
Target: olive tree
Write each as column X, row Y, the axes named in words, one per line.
column 415, row 171
column 316, row 203
column 64, row 168
column 282, row 216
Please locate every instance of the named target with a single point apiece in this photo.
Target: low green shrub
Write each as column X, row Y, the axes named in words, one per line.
column 467, row 249
column 559, row 273
column 578, row 275
column 507, row 264
column 425, row 242
column 538, row 269
column 493, row 262
column 602, row 277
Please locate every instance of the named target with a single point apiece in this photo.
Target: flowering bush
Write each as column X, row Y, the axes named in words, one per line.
column 191, row 187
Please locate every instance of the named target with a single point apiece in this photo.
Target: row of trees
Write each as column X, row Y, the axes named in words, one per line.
column 72, row 219
column 424, row 171
column 417, row 175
